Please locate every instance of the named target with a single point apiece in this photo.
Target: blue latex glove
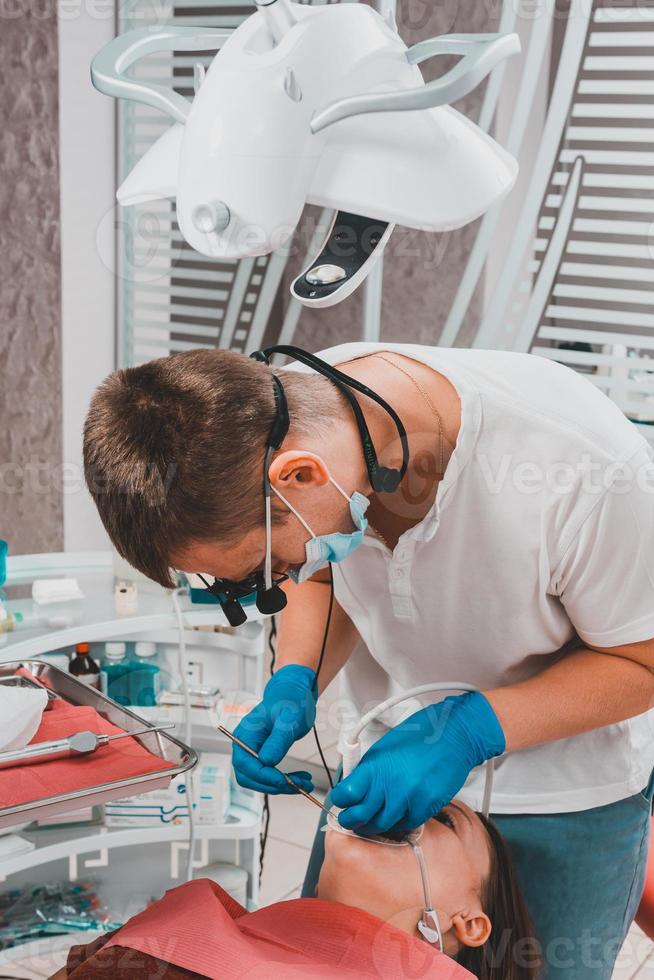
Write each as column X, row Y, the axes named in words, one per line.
column 286, row 713
column 417, row 768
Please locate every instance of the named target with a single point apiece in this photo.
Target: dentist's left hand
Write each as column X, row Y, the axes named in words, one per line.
column 419, row 766
column 285, row 714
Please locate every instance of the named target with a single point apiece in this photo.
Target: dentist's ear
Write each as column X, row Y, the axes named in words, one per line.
column 472, row 928
column 297, row 468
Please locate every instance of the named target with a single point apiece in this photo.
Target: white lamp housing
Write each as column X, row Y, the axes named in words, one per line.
column 309, row 104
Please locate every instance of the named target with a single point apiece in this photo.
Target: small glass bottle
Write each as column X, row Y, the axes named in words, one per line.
column 115, row 671
column 84, row 667
column 145, row 675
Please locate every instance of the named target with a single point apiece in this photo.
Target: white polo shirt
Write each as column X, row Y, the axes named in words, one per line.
column 542, row 532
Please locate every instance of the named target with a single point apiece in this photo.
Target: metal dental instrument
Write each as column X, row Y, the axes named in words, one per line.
column 246, row 748
column 79, row 743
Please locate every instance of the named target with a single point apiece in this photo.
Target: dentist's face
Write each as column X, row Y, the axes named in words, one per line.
column 303, row 479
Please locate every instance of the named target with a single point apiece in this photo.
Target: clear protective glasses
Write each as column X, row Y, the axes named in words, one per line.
column 428, row 925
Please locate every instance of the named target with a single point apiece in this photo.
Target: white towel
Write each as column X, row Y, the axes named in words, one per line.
column 21, row 709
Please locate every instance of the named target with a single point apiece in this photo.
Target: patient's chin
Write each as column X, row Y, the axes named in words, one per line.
column 346, row 862
column 338, row 845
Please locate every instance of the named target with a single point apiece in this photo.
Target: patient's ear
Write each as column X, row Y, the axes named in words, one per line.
column 472, row 928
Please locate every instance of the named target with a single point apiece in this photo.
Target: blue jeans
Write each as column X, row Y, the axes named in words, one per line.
column 582, row 876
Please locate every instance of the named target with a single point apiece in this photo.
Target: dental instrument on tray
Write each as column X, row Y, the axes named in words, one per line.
column 313, row 104
column 79, row 743
column 246, row 748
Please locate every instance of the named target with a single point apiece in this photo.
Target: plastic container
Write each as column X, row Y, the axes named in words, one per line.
column 19, row 614
column 145, row 675
column 115, row 673
column 126, row 599
column 84, row 667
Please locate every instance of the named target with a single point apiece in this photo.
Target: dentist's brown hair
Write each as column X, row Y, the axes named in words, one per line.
column 174, row 450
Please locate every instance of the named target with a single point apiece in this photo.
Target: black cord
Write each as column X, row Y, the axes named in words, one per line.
column 272, row 636
column 263, row 840
column 318, row 668
column 272, row 646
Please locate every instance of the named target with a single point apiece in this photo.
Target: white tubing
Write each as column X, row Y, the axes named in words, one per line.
column 352, row 744
column 182, row 667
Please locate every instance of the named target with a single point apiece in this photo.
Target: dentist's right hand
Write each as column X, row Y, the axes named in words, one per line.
column 285, row 714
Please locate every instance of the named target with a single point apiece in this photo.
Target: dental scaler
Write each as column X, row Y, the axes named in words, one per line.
column 77, row 744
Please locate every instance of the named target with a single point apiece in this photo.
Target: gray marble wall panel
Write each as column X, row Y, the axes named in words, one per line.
column 30, row 301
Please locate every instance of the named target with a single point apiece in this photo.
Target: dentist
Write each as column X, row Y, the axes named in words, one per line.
column 487, row 518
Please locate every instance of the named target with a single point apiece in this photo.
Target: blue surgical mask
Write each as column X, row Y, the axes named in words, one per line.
column 324, row 548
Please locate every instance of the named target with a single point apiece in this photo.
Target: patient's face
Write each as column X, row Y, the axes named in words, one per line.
column 385, row 880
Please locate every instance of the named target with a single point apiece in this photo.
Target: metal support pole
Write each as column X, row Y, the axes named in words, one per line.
column 372, row 300
column 372, row 287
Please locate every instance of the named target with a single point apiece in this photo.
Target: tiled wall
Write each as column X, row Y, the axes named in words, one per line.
column 30, row 315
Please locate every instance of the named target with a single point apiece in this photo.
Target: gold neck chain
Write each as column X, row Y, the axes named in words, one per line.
column 432, row 408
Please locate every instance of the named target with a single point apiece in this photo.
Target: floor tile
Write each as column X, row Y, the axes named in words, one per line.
column 633, row 957
column 294, row 819
column 283, row 871
column 296, row 893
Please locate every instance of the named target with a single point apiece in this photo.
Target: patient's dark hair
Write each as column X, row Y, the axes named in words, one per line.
column 512, row 951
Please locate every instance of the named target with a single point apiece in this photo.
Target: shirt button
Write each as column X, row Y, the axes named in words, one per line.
column 399, row 573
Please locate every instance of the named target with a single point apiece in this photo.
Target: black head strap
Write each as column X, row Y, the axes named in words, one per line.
column 382, row 478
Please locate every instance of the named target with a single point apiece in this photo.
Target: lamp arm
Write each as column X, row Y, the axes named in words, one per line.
column 481, row 53
column 111, row 63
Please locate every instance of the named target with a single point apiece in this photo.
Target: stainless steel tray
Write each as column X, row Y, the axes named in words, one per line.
column 161, row 744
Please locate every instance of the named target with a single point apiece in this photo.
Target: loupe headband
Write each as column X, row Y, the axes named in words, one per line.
column 383, row 479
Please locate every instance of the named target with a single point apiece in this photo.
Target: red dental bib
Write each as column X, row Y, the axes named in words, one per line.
column 200, row 928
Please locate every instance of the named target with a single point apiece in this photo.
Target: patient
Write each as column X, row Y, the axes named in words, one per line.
column 362, row 925
column 483, row 916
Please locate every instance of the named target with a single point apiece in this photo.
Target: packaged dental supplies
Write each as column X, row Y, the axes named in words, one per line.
column 200, row 696
column 234, row 706
column 60, row 602
column 89, row 815
column 211, row 791
column 50, row 590
column 47, row 910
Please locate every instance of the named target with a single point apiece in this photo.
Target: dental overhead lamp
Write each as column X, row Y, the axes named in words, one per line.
column 319, row 104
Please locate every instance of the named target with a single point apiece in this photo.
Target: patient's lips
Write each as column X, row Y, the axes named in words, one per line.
column 390, row 840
